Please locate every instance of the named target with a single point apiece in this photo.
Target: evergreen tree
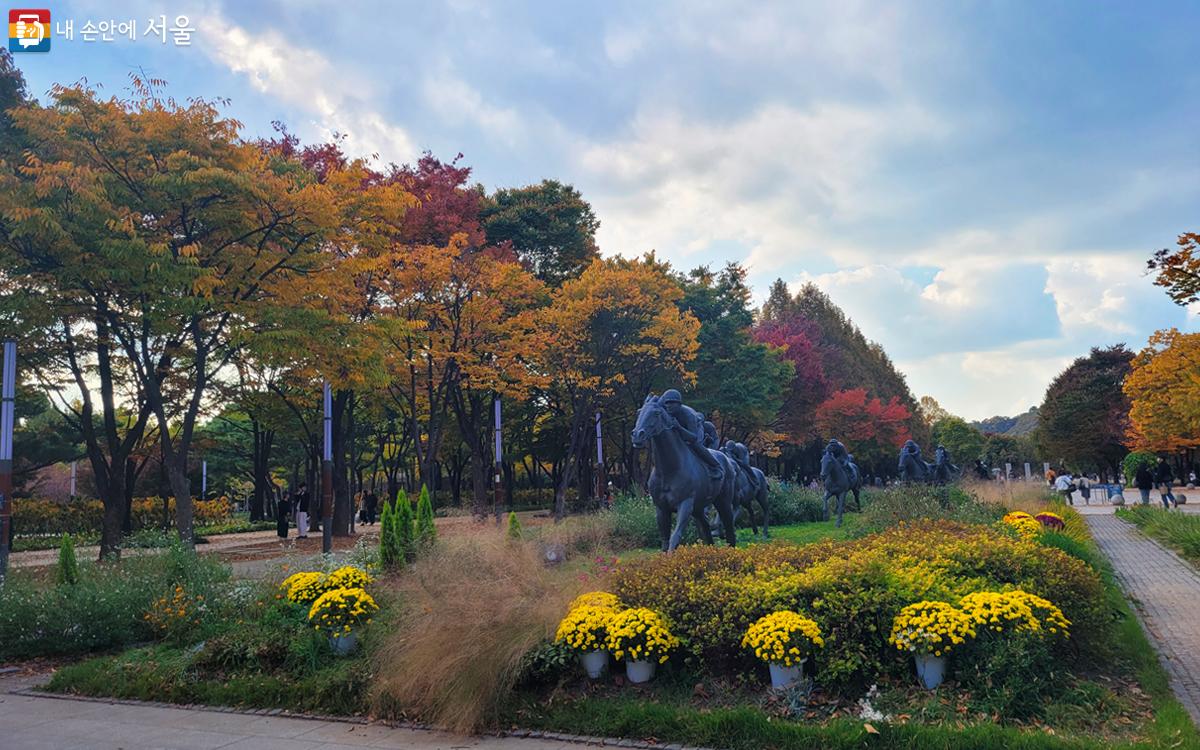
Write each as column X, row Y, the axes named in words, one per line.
column 514, row 526
column 402, row 528
column 68, row 569
column 387, row 541
column 426, row 531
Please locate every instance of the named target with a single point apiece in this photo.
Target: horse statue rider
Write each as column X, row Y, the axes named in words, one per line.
column 694, row 430
column 943, row 470
column 687, row 477
column 912, row 467
column 835, row 474
column 750, row 486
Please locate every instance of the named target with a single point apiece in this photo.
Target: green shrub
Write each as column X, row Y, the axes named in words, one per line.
column 792, row 503
column 105, row 608
column 889, row 507
column 546, row 664
column 426, row 533
column 1013, row 675
column 67, row 571
column 1176, row 530
column 514, row 526
column 387, row 537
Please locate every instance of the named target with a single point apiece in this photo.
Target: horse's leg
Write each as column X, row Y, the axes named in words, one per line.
column 664, row 525
column 703, row 525
column 825, row 506
column 857, row 504
column 682, row 515
column 725, row 510
column 841, row 506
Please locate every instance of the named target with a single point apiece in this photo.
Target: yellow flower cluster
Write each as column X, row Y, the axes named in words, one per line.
column 306, row 587
column 783, row 637
column 601, row 599
column 1026, row 526
column 1015, row 611
column 303, row 588
column 585, row 628
column 341, row 610
column 177, row 609
column 639, row 634
column 931, row 628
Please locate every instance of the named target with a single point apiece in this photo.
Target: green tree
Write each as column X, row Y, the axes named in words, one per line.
column 743, row 405
column 67, row 571
column 387, row 536
column 426, row 533
column 549, row 225
column 964, row 442
column 514, row 526
column 402, row 528
column 1084, row 417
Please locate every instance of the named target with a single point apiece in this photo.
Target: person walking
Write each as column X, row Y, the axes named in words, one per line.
column 302, row 500
column 370, row 505
column 1163, row 477
column 1065, row 487
column 1085, row 489
column 283, row 509
column 1143, row 479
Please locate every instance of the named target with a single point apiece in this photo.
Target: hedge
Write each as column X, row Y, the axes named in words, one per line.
column 33, row 517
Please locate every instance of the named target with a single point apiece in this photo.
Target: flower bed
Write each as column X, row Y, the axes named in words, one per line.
column 47, row 517
column 853, row 591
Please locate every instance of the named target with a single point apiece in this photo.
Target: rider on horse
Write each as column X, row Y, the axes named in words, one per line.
column 692, row 429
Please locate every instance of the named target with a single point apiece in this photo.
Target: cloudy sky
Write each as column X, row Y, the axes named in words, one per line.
column 977, row 184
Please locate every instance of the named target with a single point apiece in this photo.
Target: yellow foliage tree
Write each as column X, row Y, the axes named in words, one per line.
column 1164, row 392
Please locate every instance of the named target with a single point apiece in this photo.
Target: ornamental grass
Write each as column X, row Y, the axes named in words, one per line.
column 475, row 606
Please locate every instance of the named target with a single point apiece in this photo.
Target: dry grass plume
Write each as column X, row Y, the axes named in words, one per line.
column 474, row 606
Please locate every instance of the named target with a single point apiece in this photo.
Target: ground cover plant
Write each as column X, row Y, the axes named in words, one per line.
column 1178, row 531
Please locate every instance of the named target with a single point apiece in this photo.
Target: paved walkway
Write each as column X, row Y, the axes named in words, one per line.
column 37, row 723
column 1166, row 592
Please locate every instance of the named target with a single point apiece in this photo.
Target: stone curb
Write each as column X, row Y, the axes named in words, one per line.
column 532, row 734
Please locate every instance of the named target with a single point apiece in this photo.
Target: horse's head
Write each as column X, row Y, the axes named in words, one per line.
column 652, row 420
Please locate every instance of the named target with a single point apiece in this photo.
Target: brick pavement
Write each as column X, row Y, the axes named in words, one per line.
column 1165, row 590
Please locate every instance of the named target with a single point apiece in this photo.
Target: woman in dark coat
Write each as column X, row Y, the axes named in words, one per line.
column 283, row 509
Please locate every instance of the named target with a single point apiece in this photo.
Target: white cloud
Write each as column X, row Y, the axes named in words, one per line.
column 337, row 100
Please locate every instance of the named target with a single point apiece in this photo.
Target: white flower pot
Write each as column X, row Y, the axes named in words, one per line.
column 594, row 662
column 784, row 677
column 343, row 644
column 930, row 669
column 640, row 671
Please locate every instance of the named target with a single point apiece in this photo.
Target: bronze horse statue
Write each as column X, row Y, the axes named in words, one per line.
column 679, row 482
column 838, row 479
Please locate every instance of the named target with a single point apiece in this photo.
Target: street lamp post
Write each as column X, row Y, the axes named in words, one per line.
column 497, row 490
column 8, row 392
column 327, row 472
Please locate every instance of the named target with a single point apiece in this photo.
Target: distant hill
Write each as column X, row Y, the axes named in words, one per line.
column 1017, row 426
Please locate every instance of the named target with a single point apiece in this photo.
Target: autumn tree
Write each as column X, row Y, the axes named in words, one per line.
column 549, row 225
column 176, row 236
column 795, row 339
column 931, row 411
column 1163, row 388
column 871, row 429
column 1178, row 271
column 1083, row 418
column 618, row 321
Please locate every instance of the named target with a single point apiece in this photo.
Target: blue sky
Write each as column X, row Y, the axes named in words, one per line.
column 977, row 184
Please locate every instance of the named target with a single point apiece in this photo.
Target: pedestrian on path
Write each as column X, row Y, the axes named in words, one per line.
column 1085, row 489
column 372, row 504
column 1065, row 486
column 283, row 509
column 1144, row 481
column 1163, row 478
column 302, row 500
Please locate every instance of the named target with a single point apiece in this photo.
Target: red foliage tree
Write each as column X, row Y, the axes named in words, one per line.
column 798, row 339
column 870, row 429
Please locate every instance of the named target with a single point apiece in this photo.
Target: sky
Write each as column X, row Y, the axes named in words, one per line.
column 977, row 184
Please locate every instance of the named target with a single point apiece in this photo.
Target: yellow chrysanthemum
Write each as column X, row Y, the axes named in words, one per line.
column 783, row 637
column 931, row 627
column 640, row 634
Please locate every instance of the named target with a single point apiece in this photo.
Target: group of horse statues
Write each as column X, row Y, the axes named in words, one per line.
column 695, row 478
